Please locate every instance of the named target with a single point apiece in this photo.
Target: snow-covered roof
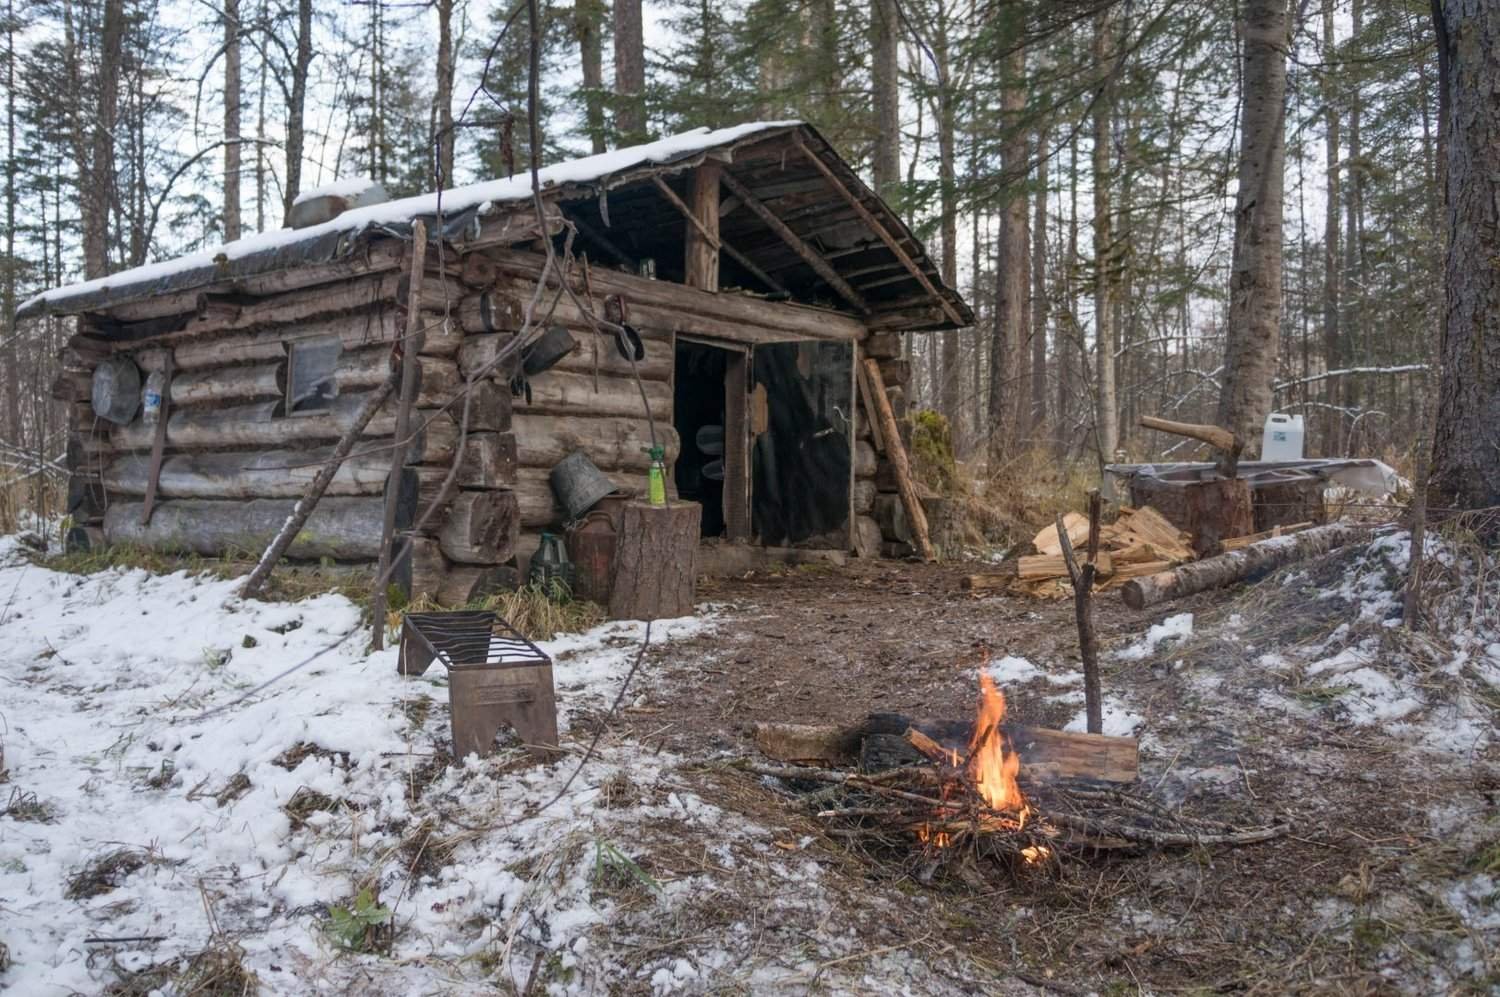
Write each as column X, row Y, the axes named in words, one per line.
column 460, row 207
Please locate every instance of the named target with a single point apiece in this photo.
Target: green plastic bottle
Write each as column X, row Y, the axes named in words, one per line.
column 657, row 477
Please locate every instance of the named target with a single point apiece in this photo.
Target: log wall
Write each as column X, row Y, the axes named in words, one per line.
column 233, row 461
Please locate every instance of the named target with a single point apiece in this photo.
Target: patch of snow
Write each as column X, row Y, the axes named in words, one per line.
column 346, row 188
column 109, row 681
column 1011, row 670
column 1180, row 625
column 1118, row 721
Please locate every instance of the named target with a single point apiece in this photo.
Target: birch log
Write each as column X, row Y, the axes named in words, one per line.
column 345, row 529
column 1240, row 565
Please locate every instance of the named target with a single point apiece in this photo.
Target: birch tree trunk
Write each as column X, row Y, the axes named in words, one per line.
column 1466, row 451
column 231, row 19
column 630, row 73
column 1255, row 273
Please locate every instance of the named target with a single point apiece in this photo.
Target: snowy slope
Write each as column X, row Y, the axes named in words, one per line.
column 105, row 679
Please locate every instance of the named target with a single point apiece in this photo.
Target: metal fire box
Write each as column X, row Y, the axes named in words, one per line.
column 495, row 676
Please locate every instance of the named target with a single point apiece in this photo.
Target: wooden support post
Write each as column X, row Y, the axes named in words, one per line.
column 737, row 447
column 820, row 265
column 410, row 371
column 709, row 233
column 158, row 442
column 916, row 517
column 880, row 230
column 867, row 399
column 1083, row 610
column 701, row 253
column 656, row 561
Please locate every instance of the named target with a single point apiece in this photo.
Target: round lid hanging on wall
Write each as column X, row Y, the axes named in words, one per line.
column 116, row 390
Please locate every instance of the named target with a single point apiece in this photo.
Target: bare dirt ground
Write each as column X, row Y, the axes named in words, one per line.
column 1382, row 885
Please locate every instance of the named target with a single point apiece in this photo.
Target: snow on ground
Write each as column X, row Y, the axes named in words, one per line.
column 112, row 682
column 1173, row 627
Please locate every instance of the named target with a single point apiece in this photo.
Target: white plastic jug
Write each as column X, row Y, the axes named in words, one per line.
column 1282, row 439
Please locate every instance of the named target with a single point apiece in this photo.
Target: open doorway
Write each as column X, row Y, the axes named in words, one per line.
column 708, row 406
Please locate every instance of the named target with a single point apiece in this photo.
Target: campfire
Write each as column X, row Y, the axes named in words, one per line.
column 956, row 796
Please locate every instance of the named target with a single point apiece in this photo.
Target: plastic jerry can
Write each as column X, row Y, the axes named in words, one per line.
column 1282, row 439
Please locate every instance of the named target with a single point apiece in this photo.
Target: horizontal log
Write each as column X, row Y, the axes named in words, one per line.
column 357, row 329
column 345, row 529
column 438, row 384
column 261, row 474
column 423, row 571
column 865, row 464
column 864, row 496
column 1241, row 565
column 490, row 311
column 612, row 443
column 563, row 392
column 535, row 502
column 742, row 318
column 1045, row 754
column 481, row 527
column 229, row 384
column 260, row 425
column 471, row 583
column 479, row 351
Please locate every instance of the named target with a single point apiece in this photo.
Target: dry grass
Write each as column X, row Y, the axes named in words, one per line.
column 217, row 971
column 530, row 609
column 105, row 873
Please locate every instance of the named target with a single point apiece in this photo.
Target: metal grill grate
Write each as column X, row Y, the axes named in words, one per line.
column 465, row 639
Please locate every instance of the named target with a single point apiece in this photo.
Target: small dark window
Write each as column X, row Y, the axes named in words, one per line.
column 312, row 383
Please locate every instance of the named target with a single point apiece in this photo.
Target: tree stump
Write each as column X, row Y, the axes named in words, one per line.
column 656, row 561
column 1218, row 509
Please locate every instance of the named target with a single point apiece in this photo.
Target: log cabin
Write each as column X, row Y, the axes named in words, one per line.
column 754, row 267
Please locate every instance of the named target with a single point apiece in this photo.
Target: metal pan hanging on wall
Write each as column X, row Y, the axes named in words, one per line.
column 115, row 392
column 550, row 347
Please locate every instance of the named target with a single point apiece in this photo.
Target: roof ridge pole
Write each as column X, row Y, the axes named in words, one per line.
column 880, row 230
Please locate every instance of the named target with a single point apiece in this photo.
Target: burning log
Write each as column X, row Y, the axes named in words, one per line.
column 879, row 743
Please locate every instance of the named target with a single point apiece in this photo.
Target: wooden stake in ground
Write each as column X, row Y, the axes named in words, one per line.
column 1226, row 569
column 411, row 345
column 1411, row 599
column 896, row 452
column 1083, row 610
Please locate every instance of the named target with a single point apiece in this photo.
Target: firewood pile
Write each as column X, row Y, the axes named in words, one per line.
column 1139, row 542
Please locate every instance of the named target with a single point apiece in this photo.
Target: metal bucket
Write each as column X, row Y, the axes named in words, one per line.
column 578, row 484
column 115, row 392
column 550, row 347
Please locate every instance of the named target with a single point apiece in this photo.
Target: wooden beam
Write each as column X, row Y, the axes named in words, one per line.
column 701, row 254
column 896, row 452
column 712, row 237
column 820, row 265
column 880, row 230
column 737, row 447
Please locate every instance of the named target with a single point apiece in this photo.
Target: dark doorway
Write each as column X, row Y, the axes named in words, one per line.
column 803, row 458
column 699, row 411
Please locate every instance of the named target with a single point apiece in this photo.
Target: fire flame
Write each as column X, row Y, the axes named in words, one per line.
column 993, row 768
